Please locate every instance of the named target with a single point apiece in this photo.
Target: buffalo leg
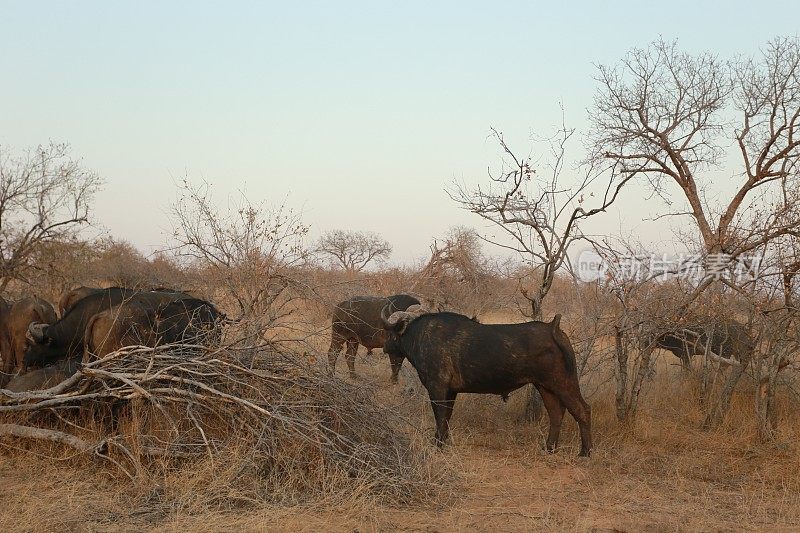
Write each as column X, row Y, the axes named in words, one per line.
column 555, row 413
column 442, row 405
column 333, row 352
column 19, row 352
column 582, row 413
column 350, row 355
column 8, row 367
column 397, row 363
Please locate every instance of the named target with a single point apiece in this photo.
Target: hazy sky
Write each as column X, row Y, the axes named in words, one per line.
column 358, row 114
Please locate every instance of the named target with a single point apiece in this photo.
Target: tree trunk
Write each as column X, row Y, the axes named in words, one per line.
column 720, row 408
column 621, row 374
column 644, row 368
column 766, row 415
column 708, row 378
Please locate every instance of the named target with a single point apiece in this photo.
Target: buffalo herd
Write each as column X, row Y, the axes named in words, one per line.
column 451, row 353
column 40, row 349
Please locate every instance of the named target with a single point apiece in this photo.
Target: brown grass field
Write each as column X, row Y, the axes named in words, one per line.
column 661, row 474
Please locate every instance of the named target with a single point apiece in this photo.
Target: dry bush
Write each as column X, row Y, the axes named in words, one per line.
column 246, row 425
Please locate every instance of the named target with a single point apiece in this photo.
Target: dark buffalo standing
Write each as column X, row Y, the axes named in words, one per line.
column 729, row 340
column 144, row 321
column 14, row 322
column 66, row 338
column 453, row 354
column 358, row 321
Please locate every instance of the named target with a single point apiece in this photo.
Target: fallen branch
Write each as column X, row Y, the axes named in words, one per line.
column 27, row 432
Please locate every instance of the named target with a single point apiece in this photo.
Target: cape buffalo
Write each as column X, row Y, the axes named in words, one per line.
column 358, row 321
column 143, row 321
column 729, row 340
column 453, row 354
column 66, row 338
column 72, row 296
column 14, row 323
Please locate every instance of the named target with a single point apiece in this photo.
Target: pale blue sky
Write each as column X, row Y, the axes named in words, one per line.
column 359, row 113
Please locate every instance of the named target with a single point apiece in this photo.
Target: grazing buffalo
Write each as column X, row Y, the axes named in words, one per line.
column 72, row 296
column 144, row 321
column 66, row 337
column 14, row 322
column 44, row 378
column 729, row 340
column 358, row 321
column 453, row 354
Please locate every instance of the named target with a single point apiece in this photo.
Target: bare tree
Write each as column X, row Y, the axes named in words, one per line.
column 540, row 214
column 669, row 116
column 45, row 196
column 353, row 250
column 248, row 250
column 661, row 114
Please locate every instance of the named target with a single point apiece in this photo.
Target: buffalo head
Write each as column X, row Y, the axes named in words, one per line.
column 395, row 325
column 39, row 349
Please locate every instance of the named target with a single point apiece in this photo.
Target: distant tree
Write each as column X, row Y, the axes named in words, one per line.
column 353, row 250
column 45, row 196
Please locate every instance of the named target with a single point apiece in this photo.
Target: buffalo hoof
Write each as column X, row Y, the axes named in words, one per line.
column 584, row 453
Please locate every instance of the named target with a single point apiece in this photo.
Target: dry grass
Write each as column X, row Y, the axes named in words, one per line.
column 659, row 474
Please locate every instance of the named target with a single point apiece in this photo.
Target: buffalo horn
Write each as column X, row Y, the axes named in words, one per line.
column 385, row 316
column 413, row 312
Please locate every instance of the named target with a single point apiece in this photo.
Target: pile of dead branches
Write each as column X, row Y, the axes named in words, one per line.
column 179, row 405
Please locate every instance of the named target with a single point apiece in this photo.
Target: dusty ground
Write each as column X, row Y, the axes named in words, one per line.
column 660, row 475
